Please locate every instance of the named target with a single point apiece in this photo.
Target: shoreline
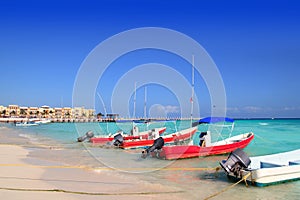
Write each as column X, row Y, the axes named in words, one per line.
column 10, row 120
column 25, row 175
column 74, row 167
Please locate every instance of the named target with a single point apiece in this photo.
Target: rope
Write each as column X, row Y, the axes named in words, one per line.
column 229, row 187
column 108, row 169
column 263, row 139
column 94, row 193
column 88, row 193
column 101, row 194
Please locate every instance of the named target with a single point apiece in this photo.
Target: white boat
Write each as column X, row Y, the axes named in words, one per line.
column 264, row 170
column 43, row 121
column 26, row 123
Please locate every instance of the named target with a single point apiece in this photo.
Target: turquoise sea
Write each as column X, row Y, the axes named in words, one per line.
column 271, row 136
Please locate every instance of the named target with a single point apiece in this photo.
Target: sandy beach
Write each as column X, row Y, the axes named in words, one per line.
column 33, row 167
column 26, row 177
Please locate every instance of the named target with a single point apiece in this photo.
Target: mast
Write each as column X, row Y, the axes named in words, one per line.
column 145, row 104
column 105, row 112
column 193, row 83
column 134, row 100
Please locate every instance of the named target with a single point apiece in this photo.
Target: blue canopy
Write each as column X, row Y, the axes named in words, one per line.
column 210, row 120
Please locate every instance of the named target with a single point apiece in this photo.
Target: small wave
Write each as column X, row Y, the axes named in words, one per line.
column 28, row 137
column 263, row 124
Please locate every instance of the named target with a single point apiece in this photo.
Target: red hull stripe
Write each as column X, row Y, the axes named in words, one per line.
column 190, row 151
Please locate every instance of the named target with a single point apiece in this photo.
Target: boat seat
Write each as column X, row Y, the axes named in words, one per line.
column 296, row 162
column 269, row 165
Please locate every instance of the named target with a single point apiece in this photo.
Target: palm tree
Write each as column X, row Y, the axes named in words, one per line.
column 43, row 113
column 3, row 112
column 99, row 115
column 67, row 114
column 51, row 112
column 12, row 113
column 23, row 113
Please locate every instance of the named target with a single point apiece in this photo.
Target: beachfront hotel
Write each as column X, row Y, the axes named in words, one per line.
column 17, row 111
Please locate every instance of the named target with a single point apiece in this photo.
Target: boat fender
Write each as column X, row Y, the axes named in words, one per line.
column 87, row 135
column 157, row 145
column 236, row 161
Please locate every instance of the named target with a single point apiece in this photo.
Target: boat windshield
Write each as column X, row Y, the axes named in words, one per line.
column 220, row 127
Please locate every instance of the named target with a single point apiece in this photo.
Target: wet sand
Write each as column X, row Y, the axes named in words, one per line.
column 70, row 171
column 26, row 177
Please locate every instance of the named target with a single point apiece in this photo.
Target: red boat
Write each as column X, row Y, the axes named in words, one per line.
column 206, row 147
column 221, row 147
column 135, row 135
column 177, row 137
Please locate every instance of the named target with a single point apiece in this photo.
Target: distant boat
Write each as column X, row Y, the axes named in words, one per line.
column 27, row 123
column 142, row 121
column 263, row 170
column 43, row 121
column 206, row 147
column 33, row 122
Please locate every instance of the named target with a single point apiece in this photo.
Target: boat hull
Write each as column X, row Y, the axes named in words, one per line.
column 191, row 151
column 272, row 176
column 273, row 169
column 105, row 139
column 171, row 138
column 25, row 125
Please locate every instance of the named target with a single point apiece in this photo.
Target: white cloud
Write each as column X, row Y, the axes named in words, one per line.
column 158, row 110
column 291, row 108
column 261, row 111
column 252, row 109
column 171, row 109
column 233, row 109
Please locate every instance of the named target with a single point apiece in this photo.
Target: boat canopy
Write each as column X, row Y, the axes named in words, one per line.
column 211, row 120
column 217, row 129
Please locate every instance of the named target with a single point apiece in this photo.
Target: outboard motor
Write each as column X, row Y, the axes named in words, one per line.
column 157, row 145
column 88, row 135
column 118, row 140
column 236, row 161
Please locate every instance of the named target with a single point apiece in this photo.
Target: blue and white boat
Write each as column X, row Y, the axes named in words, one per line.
column 27, row 123
column 264, row 170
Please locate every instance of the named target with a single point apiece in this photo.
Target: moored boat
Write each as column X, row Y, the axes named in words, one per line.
column 27, row 123
column 43, row 121
column 134, row 135
column 263, row 170
column 145, row 121
column 206, row 147
column 220, row 147
column 176, row 137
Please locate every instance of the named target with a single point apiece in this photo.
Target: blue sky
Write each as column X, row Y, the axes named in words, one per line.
column 254, row 44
